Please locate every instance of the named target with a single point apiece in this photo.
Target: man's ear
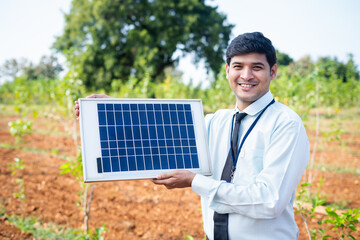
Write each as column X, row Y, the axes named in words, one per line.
column 273, row 71
column 227, row 70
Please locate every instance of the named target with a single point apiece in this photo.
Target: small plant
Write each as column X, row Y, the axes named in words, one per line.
column 20, row 128
column 343, row 224
column 18, row 164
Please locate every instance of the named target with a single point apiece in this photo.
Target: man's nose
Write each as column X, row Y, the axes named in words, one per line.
column 246, row 74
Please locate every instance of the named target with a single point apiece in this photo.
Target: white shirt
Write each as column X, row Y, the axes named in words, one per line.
column 270, row 165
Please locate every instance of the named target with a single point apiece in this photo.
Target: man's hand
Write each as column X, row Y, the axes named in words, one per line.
column 77, row 110
column 175, row 179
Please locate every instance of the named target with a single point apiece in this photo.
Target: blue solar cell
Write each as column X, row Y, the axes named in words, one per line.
column 164, row 162
column 115, row 164
column 132, row 163
column 162, row 143
column 146, row 151
column 104, row 144
column 143, row 119
column 156, row 162
column 128, row 132
column 165, row 106
column 141, row 107
column 113, row 144
column 146, row 143
column 188, row 117
column 172, row 162
column 140, row 163
column 135, row 118
column 195, row 161
column 118, row 118
column 152, row 132
column 158, row 117
column 151, row 118
column 127, row 118
column 120, row 132
column 133, row 107
column 183, row 132
column 106, row 164
column 171, row 150
column 102, row 118
column 172, row 106
column 162, row 150
column 157, row 107
column 109, row 107
column 149, row 107
column 130, row 151
column 121, row 144
column 112, row 133
column 126, row 107
column 154, row 151
column 175, row 131
column 124, row 164
column 191, row 132
column 148, row 163
column 187, row 161
column 181, row 117
column 174, row 119
column 103, row 133
column 146, row 137
column 166, row 117
column 105, row 152
column 136, row 132
column 144, row 132
column 138, row 151
column 153, row 143
column 129, row 143
column 117, row 107
column 101, row 107
column 122, row 152
column 137, row 143
column 179, row 161
column 110, row 118
column 160, row 132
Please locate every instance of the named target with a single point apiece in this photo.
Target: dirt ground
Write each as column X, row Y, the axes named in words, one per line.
column 132, row 209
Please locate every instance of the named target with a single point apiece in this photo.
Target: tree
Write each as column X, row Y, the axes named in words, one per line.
column 283, row 58
column 114, row 39
column 48, row 67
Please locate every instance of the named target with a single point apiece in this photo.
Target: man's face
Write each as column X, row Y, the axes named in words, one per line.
column 249, row 77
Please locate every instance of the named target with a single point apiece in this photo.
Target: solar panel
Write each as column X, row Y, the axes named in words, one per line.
column 140, row 138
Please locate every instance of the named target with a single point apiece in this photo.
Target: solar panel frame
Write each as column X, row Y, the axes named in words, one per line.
column 136, row 147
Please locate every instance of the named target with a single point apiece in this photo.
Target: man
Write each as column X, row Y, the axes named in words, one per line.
column 251, row 192
column 257, row 201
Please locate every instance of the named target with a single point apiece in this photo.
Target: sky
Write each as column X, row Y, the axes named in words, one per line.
column 308, row 27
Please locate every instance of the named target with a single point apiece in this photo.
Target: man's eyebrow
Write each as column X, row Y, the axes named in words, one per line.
column 254, row 63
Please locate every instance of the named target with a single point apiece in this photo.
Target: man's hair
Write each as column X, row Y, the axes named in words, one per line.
column 249, row 43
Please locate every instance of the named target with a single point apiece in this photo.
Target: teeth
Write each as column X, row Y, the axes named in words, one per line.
column 246, row 85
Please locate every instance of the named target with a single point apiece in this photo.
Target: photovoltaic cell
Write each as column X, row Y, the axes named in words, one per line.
column 136, row 137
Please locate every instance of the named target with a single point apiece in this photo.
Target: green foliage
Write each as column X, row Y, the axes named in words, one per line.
column 107, row 40
column 18, row 164
column 20, row 128
column 343, row 224
column 48, row 67
column 52, row 231
column 74, row 168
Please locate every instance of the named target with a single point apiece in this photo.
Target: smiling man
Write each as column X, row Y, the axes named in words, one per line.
column 259, row 151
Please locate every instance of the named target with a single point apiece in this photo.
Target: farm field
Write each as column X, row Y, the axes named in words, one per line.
column 139, row 209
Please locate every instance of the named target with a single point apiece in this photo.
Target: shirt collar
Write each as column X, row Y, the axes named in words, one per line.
column 258, row 105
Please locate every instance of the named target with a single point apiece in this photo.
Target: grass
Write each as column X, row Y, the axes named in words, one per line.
column 52, row 152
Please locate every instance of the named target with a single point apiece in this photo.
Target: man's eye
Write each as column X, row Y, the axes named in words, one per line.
column 257, row 67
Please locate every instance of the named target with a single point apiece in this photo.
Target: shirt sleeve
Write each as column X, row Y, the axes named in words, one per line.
column 284, row 162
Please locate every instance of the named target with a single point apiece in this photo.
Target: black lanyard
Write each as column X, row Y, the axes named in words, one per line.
column 245, row 136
